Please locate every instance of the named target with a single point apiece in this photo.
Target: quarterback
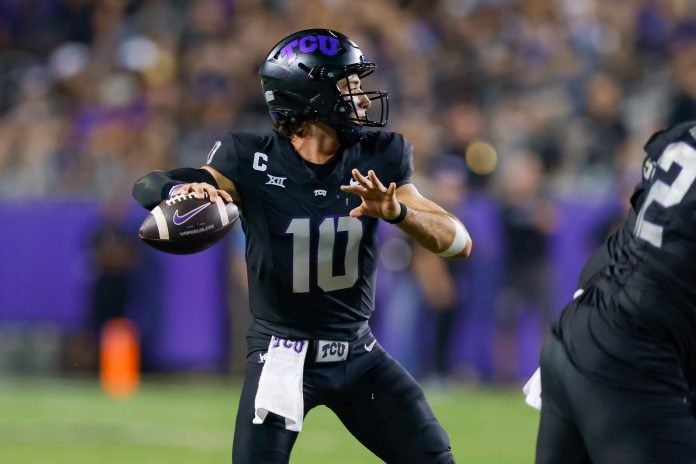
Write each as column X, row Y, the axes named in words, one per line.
column 312, row 193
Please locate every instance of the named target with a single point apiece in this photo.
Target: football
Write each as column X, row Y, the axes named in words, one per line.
column 185, row 224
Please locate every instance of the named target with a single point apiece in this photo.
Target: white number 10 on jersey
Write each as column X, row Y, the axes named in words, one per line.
column 326, row 280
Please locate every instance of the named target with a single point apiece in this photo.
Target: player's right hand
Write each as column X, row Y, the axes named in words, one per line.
column 200, row 189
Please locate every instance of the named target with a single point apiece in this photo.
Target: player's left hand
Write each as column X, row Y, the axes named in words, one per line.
column 378, row 201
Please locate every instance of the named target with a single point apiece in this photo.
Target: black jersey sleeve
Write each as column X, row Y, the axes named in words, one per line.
column 390, row 155
column 406, row 163
column 396, row 154
column 224, row 157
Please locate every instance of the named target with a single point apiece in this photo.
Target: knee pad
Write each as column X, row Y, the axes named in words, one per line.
column 431, row 446
column 437, row 444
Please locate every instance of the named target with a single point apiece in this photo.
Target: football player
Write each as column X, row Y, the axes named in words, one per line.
column 619, row 365
column 312, row 193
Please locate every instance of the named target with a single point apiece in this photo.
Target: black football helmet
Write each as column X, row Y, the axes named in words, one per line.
column 299, row 78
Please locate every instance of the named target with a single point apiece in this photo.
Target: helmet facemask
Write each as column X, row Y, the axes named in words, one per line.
column 345, row 108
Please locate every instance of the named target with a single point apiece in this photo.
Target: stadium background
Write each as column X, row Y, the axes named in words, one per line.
column 527, row 117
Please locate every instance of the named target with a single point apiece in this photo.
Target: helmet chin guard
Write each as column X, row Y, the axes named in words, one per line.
column 300, row 75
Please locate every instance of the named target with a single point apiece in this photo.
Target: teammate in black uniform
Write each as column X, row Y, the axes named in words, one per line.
column 619, row 365
column 312, row 194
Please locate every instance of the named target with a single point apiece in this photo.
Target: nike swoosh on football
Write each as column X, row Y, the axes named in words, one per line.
column 179, row 220
column 370, row 346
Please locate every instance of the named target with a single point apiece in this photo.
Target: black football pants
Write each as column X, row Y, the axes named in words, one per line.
column 586, row 421
column 374, row 397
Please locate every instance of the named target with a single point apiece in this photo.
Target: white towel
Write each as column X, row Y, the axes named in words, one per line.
column 532, row 390
column 280, row 385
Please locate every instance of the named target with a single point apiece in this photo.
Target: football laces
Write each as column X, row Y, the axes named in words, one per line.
column 183, row 196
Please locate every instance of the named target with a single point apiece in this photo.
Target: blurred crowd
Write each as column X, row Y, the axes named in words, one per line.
column 94, row 93
column 526, row 101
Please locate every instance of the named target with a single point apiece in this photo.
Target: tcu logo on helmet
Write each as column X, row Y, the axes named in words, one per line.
column 309, row 44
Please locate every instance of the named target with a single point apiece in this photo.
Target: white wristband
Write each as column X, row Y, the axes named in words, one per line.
column 461, row 238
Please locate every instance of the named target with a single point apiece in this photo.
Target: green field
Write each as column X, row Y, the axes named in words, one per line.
column 192, row 422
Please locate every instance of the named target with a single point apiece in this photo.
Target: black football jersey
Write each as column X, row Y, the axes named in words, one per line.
column 659, row 257
column 630, row 241
column 311, row 267
column 643, row 280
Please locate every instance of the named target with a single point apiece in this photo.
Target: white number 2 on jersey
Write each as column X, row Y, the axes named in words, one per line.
column 300, row 230
column 665, row 195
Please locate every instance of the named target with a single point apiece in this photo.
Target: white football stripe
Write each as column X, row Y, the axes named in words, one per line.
column 161, row 223
column 223, row 211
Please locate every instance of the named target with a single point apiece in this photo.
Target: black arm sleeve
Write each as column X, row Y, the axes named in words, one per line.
column 151, row 189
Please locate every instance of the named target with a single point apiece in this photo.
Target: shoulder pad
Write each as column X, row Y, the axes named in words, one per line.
column 684, row 132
